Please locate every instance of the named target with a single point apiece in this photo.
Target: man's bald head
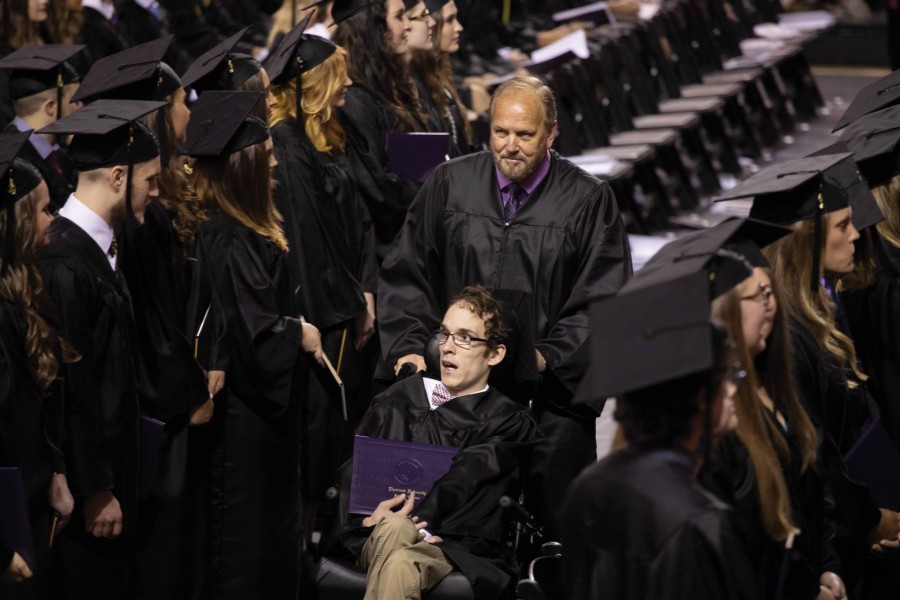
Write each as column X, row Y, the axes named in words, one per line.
column 523, row 126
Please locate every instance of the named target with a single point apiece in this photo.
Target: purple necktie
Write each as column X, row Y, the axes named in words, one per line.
column 515, row 199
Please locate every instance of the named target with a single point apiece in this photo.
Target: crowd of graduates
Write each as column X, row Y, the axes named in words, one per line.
column 208, row 270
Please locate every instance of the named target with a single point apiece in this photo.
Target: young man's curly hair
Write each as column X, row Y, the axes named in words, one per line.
column 482, row 303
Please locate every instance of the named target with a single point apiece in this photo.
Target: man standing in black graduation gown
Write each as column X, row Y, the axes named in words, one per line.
column 520, row 218
column 99, row 401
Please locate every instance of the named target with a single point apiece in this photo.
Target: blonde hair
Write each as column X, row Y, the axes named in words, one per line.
column 755, row 429
column 791, row 264
column 887, row 196
column 319, row 85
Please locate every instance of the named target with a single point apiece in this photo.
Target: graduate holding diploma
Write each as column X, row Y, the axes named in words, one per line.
column 459, row 524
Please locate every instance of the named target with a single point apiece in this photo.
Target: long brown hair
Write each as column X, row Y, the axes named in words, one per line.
column 379, row 69
column 791, row 265
column 22, row 286
column 16, row 28
column 63, row 24
column 435, row 69
column 755, row 429
column 239, row 185
column 887, row 196
column 319, row 85
column 174, row 193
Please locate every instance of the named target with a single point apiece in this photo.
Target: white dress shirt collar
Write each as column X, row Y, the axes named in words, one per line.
column 430, row 384
column 107, row 9
column 43, row 147
column 92, row 224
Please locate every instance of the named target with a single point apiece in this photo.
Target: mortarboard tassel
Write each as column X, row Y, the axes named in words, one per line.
column 9, row 243
column 128, row 208
column 59, row 92
column 817, row 242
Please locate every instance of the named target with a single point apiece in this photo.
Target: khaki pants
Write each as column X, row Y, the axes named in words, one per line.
column 399, row 566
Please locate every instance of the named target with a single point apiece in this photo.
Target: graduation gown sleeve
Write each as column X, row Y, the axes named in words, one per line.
column 385, row 193
column 263, row 342
column 320, row 255
column 172, row 383
column 96, row 386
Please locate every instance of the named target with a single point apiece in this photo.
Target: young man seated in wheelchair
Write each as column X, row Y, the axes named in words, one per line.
column 459, row 525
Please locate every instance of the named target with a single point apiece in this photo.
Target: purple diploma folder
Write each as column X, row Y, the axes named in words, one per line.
column 384, row 468
column 414, row 156
column 874, row 460
column 15, row 528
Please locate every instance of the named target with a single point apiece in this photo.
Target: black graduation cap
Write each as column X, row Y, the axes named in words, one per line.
column 875, row 142
column 221, row 124
column 218, row 68
column 298, row 53
column 410, row 4
column 649, row 335
column 137, row 73
column 39, row 68
column 107, row 134
column 435, row 6
column 850, row 176
column 800, row 189
column 342, row 10
column 726, row 253
column 18, row 180
column 875, row 96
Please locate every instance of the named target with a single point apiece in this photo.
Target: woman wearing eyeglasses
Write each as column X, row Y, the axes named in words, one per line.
column 767, row 469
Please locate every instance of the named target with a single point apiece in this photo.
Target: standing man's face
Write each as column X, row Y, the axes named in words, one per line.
column 520, row 137
column 144, row 187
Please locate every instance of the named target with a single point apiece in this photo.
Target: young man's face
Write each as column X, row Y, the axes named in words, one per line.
column 466, row 370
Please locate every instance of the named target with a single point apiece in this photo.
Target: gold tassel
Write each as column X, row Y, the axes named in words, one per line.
column 12, row 185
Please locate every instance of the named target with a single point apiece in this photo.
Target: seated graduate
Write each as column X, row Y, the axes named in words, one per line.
column 495, row 436
column 636, row 524
column 41, row 86
column 30, row 356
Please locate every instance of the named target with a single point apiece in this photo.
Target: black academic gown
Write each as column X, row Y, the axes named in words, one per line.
column 495, row 436
column 367, row 123
column 100, row 410
column 171, row 385
column 61, row 183
column 255, row 512
column 333, row 263
column 24, row 443
column 874, row 319
column 101, row 37
column 637, row 526
column 839, row 413
column 565, row 246
column 731, row 477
